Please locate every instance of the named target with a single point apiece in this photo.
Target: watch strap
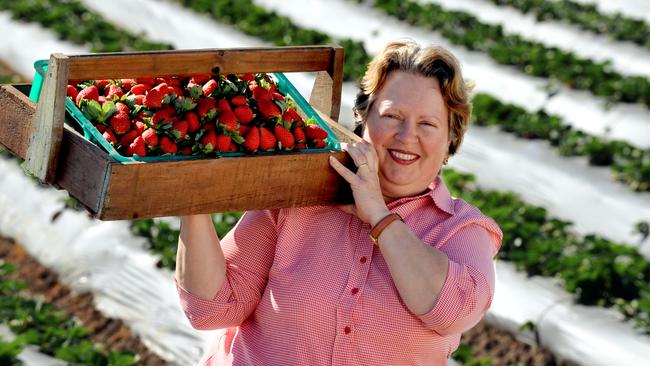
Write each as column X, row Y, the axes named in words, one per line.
column 381, row 225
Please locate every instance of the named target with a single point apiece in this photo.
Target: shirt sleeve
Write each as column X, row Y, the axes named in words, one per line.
column 468, row 289
column 249, row 249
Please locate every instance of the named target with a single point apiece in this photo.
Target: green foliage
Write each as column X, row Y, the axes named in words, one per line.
column 38, row 323
column 629, row 164
column 267, row 25
column 464, row 355
column 533, row 58
column 75, row 23
column 585, row 16
column 9, row 352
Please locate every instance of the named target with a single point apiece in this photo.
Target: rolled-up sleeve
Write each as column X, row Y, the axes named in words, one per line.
column 468, row 289
column 249, row 249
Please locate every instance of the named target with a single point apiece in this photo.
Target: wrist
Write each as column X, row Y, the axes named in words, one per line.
column 378, row 216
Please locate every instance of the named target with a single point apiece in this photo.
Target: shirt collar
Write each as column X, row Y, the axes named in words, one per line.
column 438, row 193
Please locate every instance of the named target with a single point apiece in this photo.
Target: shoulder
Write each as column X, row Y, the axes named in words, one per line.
column 468, row 217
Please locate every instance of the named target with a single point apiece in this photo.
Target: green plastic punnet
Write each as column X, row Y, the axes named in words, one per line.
column 92, row 134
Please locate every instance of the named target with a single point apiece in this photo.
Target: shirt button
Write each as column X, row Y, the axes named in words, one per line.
column 362, row 259
column 355, row 290
column 347, row 330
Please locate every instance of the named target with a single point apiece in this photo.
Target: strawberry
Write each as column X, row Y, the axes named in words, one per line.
column 71, row 91
column 209, row 126
column 149, row 81
column 164, row 115
column 137, row 147
column 128, row 138
column 284, row 136
column 243, row 129
column 150, row 137
column 247, row 77
column 209, row 87
column 277, row 96
column 239, row 100
column 110, row 137
column 112, row 91
column 223, row 105
column 200, row 79
column 88, row 93
column 139, row 99
column 154, row 98
column 318, row 144
column 268, row 108
column 172, row 81
column 121, row 107
column 139, row 127
column 101, row 128
column 260, row 93
column 120, row 123
column 233, row 147
column 140, row 89
column 186, row 151
column 315, row 132
column 101, row 84
column 252, row 139
column 101, row 100
column 300, row 145
column 299, row 135
column 176, row 90
column 244, row 114
column 223, row 143
column 193, row 123
column 267, row 139
column 227, row 121
column 127, row 84
column 206, row 108
column 208, row 142
column 290, row 115
column 167, row 146
column 179, row 129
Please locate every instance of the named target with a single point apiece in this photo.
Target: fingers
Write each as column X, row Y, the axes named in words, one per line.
column 343, row 171
column 363, row 154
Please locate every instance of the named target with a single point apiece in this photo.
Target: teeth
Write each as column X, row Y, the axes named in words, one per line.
column 403, row 156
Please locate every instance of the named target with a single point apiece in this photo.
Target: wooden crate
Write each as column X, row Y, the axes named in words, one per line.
column 112, row 190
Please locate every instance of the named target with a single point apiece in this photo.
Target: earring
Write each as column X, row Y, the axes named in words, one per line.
column 446, row 161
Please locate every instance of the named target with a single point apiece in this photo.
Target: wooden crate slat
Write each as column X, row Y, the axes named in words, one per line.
column 16, row 120
column 191, row 62
column 326, row 93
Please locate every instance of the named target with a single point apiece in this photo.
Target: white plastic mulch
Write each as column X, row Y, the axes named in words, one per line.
column 636, row 9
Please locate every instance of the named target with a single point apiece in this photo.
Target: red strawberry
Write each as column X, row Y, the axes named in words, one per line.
column 267, row 140
column 113, row 90
column 186, row 151
column 172, row 81
column 277, row 96
column 127, row 84
column 88, row 93
column 300, row 145
column 154, row 98
column 290, row 115
column 168, row 146
column 120, row 123
column 139, row 99
column 239, row 100
column 200, row 79
column 227, row 121
column 150, row 137
column 110, row 137
column 101, row 128
column 223, row 105
column 149, row 81
column 102, row 83
column 209, row 126
column 121, row 107
column 140, row 89
column 244, row 114
column 284, row 136
column 137, row 147
column 223, row 143
column 268, row 109
column 128, row 138
column 299, row 124
column 164, row 115
column 205, row 105
column 101, row 100
column 139, row 127
column 233, row 147
column 243, row 129
column 209, row 142
column 252, row 139
column 179, row 129
column 193, row 123
column 299, row 135
column 210, row 87
column 315, row 132
column 176, row 90
column 319, row 143
column 259, row 93
column 71, row 91
column 248, row 77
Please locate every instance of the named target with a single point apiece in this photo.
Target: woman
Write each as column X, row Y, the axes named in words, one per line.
column 393, row 279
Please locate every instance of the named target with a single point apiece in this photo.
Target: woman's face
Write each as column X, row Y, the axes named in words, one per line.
column 408, row 126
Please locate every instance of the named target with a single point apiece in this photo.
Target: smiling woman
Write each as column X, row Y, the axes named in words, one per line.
column 393, row 279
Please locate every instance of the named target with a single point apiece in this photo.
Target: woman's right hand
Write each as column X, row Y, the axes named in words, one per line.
column 200, row 263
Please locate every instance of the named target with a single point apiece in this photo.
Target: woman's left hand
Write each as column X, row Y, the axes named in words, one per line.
column 369, row 203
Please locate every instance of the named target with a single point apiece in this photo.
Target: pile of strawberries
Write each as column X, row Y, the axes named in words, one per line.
column 199, row 115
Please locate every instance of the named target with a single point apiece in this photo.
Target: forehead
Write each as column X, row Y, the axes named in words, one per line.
column 411, row 93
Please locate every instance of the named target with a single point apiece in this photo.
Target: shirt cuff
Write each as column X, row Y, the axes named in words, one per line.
column 196, row 307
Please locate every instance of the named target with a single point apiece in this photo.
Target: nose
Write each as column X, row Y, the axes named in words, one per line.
column 407, row 132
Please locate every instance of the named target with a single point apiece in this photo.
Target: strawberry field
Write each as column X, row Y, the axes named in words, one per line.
column 558, row 154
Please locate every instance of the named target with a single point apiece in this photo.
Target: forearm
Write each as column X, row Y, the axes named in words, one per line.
column 200, row 262
column 418, row 270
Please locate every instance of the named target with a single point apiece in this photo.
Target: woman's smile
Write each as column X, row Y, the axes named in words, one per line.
column 403, row 157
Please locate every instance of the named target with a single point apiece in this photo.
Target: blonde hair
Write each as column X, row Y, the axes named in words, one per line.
column 407, row 55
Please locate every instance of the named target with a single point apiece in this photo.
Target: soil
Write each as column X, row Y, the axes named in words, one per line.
column 486, row 341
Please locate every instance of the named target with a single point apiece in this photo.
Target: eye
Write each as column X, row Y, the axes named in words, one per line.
column 429, row 124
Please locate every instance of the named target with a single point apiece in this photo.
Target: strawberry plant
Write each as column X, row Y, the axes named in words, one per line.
column 9, row 352
column 585, row 16
column 201, row 115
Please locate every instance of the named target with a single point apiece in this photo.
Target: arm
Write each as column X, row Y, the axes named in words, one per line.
column 220, row 284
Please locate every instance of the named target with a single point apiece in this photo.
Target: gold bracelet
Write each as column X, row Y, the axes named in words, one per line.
column 381, row 225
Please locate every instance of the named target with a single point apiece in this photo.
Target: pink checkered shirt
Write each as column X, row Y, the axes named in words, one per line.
column 306, row 286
